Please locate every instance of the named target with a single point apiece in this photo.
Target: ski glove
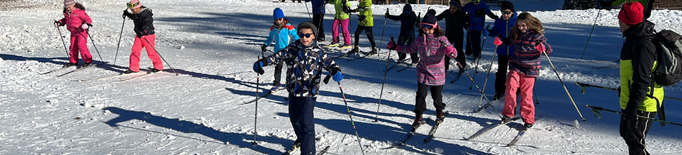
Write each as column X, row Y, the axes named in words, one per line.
column 85, row 26
column 629, row 114
column 362, row 17
column 258, row 67
column 58, row 24
column 497, row 41
column 540, row 47
column 126, row 13
column 262, row 48
column 337, row 75
column 391, row 45
column 485, row 32
column 452, row 50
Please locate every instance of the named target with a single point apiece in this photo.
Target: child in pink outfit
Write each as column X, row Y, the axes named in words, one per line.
column 524, row 65
column 77, row 22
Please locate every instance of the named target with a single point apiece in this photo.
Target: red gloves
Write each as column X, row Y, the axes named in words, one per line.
column 391, row 45
column 540, row 47
column 452, row 50
column 497, row 41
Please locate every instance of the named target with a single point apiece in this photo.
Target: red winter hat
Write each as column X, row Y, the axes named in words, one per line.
column 632, row 13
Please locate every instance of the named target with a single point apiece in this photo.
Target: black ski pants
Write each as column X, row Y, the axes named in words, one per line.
column 436, row 95
column 368, row 32
column 457, row 41
column 474, row 43
column 634, row 132
column 301, row 117
column 318, row 21
column 501, row 75
column 407, row 40
column 278, row 73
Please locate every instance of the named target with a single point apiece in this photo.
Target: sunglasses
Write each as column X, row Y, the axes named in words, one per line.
column 279, row 19
column 427, row 26
column 506, row 13
column 131, row 5
column 454, row 4
column 305, row 35
column 476, row 1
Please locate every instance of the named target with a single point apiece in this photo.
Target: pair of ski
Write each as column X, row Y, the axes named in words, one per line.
column 428, row 138
column 121, row 76
column 297, row 146
column 486, row 129
column 404, row 61
column 63, row 68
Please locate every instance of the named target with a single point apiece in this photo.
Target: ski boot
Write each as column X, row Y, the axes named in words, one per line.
column 87, row 64
column 417, row 122
column 274, row 88
column 498, row 96
column 440, row 115
column 155, row 70
column 373, row 52
column 505, row 120
column 355, row 50
column 527, row 126
column 129, row 71
column 70, row 64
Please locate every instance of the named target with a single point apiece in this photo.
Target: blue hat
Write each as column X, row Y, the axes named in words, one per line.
column 278, row 13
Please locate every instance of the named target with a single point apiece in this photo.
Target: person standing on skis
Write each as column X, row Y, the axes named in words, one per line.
column 454, row 21
column 637, row 62
column 505, row 50
column 318, row 17
column 303, row 81
column 528, row 38
column 282, row 32
column 77, row 22
column 365, row 23
column 432, row 47
column 408, row 20
column 341, row 18
column 145, row 36
column 476, row 11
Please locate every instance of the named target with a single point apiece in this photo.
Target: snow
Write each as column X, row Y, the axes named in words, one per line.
column 212, row 45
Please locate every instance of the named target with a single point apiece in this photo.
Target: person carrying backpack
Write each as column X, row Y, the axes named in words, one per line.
column 408, row 20
column 454, row 21
column 637, row 61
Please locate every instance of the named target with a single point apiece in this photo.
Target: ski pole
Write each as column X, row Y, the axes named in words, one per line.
column 351, row 118
column 93, row 44
column 478, row 59
column 597, row 114
column 382, row 35
column 562, row 84
column 590, row 36
column 157, row 52
column 486, row 77
column 479, row 89
column 255, row 119
column 584, row 86
column 63, row 43
column 376, row 119
column 119, row 40
column 534, row 94
column 306, row 8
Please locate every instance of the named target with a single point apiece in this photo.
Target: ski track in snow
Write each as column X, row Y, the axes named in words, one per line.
column 200, row 110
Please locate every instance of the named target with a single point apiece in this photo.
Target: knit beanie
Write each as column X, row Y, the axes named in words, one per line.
column 307, row 24
column 430, row 18
column 507, row 5
column 431, row 11
column 69, row 3
column 632, row 13
column 455, row 2
column 135, row 2
column 277, row 14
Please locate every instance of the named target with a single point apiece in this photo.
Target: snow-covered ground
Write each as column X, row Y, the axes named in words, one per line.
column 200, row 110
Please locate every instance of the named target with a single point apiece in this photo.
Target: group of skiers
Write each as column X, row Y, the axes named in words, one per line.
column 519, row 40
column 78, row 23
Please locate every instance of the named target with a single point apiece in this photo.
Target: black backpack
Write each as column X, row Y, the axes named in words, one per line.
column 669, row 69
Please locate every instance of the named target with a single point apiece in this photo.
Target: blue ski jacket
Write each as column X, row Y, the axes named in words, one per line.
column 282, row 36
column 407, row 20
column 502, row 29
column 318, row 6
column 476, row 14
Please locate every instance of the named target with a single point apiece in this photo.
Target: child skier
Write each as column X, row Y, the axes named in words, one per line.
column 303, row 81
column 408, row 20
column 505, row 50
column 145, row 36
column 77, row 22
column 455, row 19
column 365, row 23
column 432, row 47
column 476, row 12
column 341, row 18
column 280, row 32
column 637, row 61
column 529, row 44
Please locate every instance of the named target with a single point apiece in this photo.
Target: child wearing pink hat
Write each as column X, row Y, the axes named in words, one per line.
column 77, row 22
column 144, row 28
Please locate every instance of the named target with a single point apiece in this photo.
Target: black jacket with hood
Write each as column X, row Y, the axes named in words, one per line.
column 144, row 23
column 639, row 51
